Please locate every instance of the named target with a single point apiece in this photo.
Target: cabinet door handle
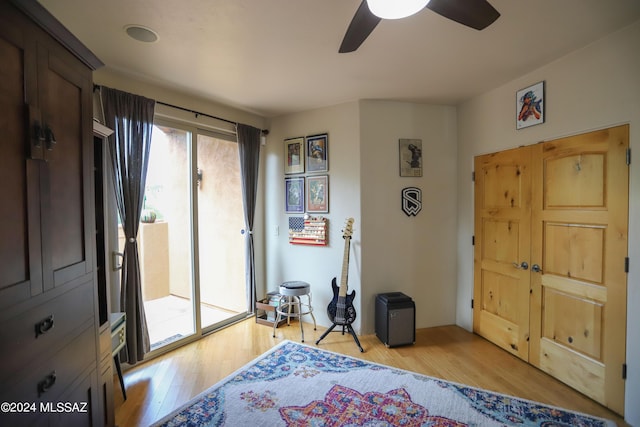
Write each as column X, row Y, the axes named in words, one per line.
column 46, row 383
column 44, row 326
column 38, row 134
column 49, row 138
column 35, row 132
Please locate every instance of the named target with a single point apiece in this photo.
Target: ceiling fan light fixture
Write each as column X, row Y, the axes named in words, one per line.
column 395, row 9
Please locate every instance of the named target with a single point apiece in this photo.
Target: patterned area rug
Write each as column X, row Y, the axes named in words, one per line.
column 297, row 385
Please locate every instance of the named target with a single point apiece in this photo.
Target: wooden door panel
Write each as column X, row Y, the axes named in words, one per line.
column 13, row 169
column 575, row 181
column 20, row 250
column 502, row 240
column 502, row 206
column 574, row 251
column 504, row 182
column 501, row 332
column 499, row 292
column 67, row 225
column 579, row 238
column 65, row 175
column 573, row 322
column 573, row 369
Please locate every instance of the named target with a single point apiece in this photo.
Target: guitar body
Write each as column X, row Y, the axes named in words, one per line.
column 341, row 310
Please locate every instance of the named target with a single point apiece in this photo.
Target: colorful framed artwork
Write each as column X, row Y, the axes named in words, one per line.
column 318, row 153
column 530, row 106
column 294, row 155
column 410, row 154
column 317, row 193
column 294, row 194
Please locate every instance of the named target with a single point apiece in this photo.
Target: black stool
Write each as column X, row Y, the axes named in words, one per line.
column 291, row 305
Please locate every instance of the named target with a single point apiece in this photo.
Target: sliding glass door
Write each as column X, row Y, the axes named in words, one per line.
column 164, row 240
column 220, row 219
column 191, row 248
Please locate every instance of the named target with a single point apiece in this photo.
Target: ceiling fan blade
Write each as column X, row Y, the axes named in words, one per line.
column 477, row 14
column 361, row 26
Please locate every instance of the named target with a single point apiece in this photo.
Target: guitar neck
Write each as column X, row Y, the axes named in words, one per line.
column 345, row 268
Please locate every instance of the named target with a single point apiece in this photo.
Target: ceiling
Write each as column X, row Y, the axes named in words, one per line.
column 281, row 56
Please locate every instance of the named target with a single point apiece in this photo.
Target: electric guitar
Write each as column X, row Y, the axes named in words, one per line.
column 340, row 309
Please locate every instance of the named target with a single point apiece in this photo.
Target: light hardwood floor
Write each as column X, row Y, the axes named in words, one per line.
column 157, row 387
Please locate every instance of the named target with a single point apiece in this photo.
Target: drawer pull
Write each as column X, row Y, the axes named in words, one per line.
column 47, row 383
column 44, row 326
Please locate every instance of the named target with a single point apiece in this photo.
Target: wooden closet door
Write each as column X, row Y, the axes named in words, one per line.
column 502, row 245
column 66, row 175
column 579, row 236
column 20, row 250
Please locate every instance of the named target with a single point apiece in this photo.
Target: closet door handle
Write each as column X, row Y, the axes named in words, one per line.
column 35, row 132
column 522, row 266
column 38, row 134
column 536, row 268
column 49, row 138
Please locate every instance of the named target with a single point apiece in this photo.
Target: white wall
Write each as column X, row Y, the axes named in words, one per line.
column 390, row 251
column 316, row 265
column 595, row 87
column 414, row 255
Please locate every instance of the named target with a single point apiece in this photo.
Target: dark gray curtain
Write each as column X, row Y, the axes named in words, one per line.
column 131, row 118
column 249, row 150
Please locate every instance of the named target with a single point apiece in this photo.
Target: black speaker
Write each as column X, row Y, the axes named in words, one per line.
column 395, row 319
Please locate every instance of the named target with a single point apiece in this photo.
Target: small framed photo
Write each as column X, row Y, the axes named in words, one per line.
column 318, row 153
column 294, row 194
column 410, row 154
column 530, row 106
column 294, row 155
column 318, row 194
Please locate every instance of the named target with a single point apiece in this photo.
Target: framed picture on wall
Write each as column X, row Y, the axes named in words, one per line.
column 294, row 194
column 318, row 153
column 294, row 155
column 317, row 193
column 410, row 154
column 530, row 106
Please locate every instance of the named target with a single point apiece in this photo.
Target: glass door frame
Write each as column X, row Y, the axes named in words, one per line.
column 196, row 235
column 192, row 156
column 114, row 261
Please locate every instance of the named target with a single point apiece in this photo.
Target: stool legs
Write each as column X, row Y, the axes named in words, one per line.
column 275, row 323
column 290, row 302
column 300, row 321
column 311, row 312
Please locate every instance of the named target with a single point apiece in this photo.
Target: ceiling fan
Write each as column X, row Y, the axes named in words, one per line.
column 477, row 14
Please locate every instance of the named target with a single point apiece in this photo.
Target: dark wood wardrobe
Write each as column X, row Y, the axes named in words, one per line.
column 52, row 368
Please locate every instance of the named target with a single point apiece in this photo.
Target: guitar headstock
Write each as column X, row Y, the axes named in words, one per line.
column 348, row 228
